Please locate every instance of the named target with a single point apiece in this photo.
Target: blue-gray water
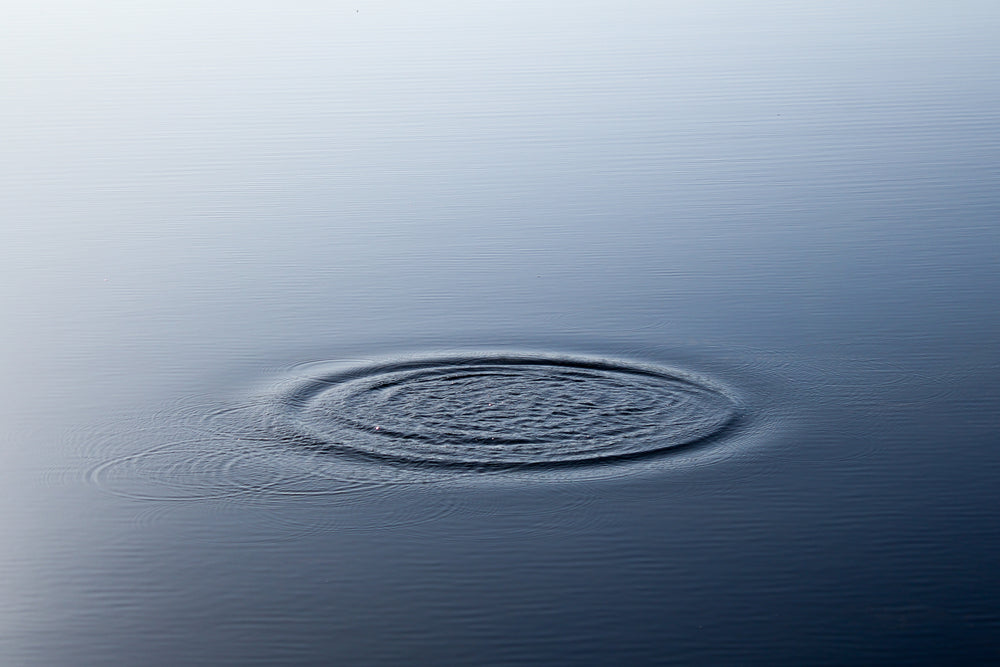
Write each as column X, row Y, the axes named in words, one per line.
column 493, row 333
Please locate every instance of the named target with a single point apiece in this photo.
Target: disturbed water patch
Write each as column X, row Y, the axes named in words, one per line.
column 498, row 411
column 367, row 431
column 410, row 440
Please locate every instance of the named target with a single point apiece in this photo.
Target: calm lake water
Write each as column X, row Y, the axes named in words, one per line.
column 495, row 333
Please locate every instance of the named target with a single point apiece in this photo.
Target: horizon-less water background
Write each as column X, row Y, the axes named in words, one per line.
column 291, row 294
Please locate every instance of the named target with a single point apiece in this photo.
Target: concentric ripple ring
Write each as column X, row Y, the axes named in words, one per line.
column 501, row 410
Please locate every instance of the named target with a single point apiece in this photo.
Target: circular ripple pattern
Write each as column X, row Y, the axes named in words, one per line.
column 501, row 411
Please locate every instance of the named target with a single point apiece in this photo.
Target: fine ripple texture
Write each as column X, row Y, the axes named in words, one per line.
column 499, row 411
column 358, row 445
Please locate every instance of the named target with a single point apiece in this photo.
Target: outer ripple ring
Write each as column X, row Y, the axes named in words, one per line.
column 500, row 410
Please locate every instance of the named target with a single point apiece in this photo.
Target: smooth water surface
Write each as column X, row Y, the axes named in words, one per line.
column 494, row 333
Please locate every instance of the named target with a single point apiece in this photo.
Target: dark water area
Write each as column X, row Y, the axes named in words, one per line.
column 558, row 333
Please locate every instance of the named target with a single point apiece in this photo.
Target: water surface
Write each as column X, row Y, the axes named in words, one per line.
column 565, row 333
